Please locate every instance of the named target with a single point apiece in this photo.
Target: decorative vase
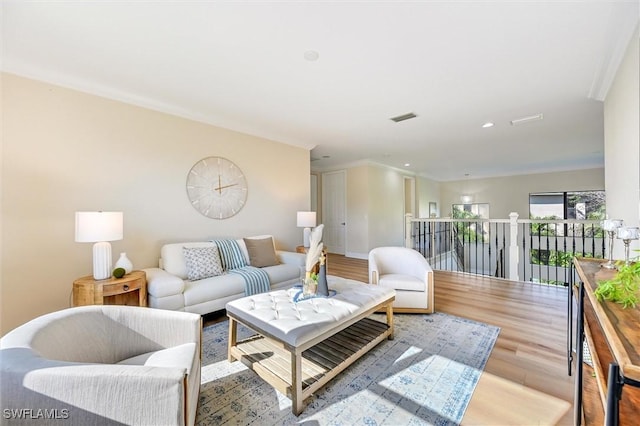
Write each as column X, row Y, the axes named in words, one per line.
column 124, row 263
column 309, row 287
column 323, row 287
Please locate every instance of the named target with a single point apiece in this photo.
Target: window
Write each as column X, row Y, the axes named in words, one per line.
column 589, row 205
column 471, row 211
column 468, row 230
column 567, row 205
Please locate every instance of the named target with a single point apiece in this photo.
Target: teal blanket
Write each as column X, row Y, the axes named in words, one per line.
column 255, row 280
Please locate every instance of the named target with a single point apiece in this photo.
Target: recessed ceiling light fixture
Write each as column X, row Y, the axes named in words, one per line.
column 311, row 55
column 407, row 164
column 403, row 117
column 487, row 125
column 525, row 120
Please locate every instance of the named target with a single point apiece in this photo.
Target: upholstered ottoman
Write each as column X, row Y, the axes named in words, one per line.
column 302, row 337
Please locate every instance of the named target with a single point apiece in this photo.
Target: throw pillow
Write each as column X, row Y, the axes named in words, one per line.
column 261, row 252
column 230, row 254
column 202, row 262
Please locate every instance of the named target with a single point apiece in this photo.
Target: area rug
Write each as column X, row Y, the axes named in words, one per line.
column 425, row 376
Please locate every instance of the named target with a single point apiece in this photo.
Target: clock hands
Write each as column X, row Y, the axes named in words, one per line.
column 221, row 186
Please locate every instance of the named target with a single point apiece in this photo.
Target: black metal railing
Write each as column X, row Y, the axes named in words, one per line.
column 518, row 249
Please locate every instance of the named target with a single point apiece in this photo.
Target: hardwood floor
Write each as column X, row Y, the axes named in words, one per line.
column 525, row 381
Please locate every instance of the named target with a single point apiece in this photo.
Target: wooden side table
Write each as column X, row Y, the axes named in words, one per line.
column 128, row 290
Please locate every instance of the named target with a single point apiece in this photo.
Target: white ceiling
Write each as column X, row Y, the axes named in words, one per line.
column 456, row 65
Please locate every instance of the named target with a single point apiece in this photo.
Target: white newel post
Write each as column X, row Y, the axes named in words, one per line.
column 514, row 253
column 407, row 230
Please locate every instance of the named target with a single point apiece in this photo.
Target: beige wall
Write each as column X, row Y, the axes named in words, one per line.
column 375, row 208
column 622, row 142
column 427, row 191
column 386, row 207
column 65, row 151
column 511, row 193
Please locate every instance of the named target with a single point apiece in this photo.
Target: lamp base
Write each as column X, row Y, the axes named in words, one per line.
column 101, row 260
column 306, row 237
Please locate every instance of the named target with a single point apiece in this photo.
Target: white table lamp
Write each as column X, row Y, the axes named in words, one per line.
column 306, row 220
column 99, row 228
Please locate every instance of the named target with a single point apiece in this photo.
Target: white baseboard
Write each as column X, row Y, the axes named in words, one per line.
column 364, row 256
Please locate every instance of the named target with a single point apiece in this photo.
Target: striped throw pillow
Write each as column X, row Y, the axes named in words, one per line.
column 230, row 254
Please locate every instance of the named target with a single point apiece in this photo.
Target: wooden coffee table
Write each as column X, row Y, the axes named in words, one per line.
column 301, row 346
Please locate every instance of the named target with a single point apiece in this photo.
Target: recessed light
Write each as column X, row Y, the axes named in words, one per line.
column 311, row 55
column 407, row 164
column 487, row 125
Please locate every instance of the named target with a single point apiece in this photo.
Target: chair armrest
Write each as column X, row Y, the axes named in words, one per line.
column 160, row 283
column 92, row 393
column 292, row 258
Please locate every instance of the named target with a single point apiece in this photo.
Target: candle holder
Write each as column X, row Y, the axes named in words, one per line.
column 610, row 225
column 627, row 234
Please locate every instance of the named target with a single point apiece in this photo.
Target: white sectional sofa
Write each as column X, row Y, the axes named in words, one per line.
column 169, row 286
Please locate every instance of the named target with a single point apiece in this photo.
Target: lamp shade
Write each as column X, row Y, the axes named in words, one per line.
column 306, row 219
column 94, row 227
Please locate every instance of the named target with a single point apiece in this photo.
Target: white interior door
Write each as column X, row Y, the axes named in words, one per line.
column 334, row 210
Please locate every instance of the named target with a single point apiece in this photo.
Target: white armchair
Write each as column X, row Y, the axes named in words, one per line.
column 103, row 365
column 406, row 271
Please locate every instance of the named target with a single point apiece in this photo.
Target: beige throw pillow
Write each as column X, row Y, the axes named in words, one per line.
column 261, row 252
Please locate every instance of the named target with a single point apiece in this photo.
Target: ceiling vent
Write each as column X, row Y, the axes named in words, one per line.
column 525, row 120
column 407, row 116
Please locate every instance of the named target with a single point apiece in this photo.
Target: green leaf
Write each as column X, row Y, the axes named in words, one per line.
column 623, row 288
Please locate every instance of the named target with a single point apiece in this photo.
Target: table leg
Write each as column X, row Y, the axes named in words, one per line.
column 390, row 319
column 233, row 338
column 296, row 383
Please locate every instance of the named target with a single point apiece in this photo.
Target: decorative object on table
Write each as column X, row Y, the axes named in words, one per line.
column 310, row 286
column 99, row 228
column 119, row 272
column 216, row 187
column 297, row 294
column 626, row 234
column 310, row 283
column 610, row 226
column 306, row 220
column 124, row 263
column 323, row 287
column 623, row 287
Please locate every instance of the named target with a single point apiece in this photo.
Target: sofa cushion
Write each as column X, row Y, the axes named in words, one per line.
column 201, row 291
column 261, row 251
column 283, row 272
column 231, row 254
column 202, row 262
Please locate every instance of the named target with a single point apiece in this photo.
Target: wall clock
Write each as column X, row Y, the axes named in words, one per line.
column 216, row 187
